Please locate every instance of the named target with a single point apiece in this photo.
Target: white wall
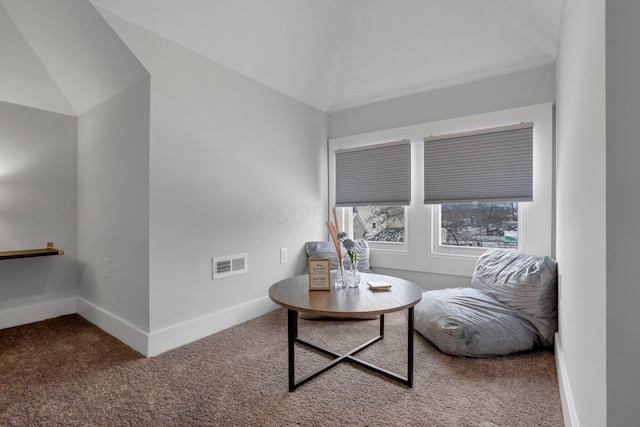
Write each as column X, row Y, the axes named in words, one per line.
column 581, row 216
column 529, row 87
column 235, row 167
column 37, row 204
column 103, row 164
column 113, row 214
column 623, row 205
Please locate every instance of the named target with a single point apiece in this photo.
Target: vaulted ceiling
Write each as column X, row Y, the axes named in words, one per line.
column 337, row 54
column 330, row 54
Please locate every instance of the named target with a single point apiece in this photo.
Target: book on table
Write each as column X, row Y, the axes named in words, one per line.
column 379, row 285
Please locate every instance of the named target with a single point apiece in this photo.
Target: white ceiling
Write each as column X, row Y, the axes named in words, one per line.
column 337, row 54
column 47, row 65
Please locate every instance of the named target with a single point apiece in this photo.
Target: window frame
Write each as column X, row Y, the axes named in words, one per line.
column 438, row 248
column 418, row 254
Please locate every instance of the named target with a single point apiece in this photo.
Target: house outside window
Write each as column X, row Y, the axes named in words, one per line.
column 379, row 223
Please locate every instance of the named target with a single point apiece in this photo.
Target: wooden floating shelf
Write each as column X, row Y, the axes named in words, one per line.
column 28, row 253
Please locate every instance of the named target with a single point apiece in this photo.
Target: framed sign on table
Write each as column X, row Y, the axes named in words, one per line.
column 319, row 274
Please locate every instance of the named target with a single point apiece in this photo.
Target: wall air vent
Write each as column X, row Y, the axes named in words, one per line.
column 231, row 265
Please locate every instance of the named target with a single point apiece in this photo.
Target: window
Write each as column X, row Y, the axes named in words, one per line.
column 416, row 241
column 377, row 174
column 477, row 179
column 488, row 165
column 379, row 223
column 373, row 186
column 485, row 225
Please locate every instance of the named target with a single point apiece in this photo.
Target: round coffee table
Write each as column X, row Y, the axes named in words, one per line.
column 294, row 294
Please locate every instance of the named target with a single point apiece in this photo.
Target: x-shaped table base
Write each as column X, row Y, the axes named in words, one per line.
column 292, row 323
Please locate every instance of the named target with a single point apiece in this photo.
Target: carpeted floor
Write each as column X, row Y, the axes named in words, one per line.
column 67, row 372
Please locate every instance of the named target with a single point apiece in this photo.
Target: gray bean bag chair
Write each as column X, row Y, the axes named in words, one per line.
column 510, row 307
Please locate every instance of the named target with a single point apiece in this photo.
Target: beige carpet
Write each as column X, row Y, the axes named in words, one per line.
column 67, row 372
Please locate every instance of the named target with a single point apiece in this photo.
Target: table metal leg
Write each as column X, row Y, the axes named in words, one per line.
column 292, row 323
column 410, row 348
column 292, row 326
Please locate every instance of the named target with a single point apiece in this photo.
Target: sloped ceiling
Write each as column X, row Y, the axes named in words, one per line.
column 61, row 56
column 337, row 54
column 25, row 81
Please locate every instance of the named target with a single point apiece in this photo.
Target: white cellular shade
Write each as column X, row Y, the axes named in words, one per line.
column 491, row 165
column 374, row 175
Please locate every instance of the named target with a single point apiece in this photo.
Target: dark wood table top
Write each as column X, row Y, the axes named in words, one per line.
column 294, row 293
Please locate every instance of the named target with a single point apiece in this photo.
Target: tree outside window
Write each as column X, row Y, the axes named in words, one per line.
column 489, row 225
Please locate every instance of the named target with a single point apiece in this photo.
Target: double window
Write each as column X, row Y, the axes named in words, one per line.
column 481, row 182
column 464, row 225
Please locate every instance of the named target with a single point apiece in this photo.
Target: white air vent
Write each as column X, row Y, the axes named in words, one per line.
column 231, row 265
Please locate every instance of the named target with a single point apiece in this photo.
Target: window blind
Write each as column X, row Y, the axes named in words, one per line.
column 375, row 175
column 490, row 165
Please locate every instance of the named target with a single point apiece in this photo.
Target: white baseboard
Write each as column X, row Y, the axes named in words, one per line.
column 114, row 325
column 186, row 332
column 16, row 316
column 568, row 406
column 147, row 344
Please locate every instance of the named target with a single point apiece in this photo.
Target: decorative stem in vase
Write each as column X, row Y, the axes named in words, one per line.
column 341, row 279
column 354, row 274
column 339, row 238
